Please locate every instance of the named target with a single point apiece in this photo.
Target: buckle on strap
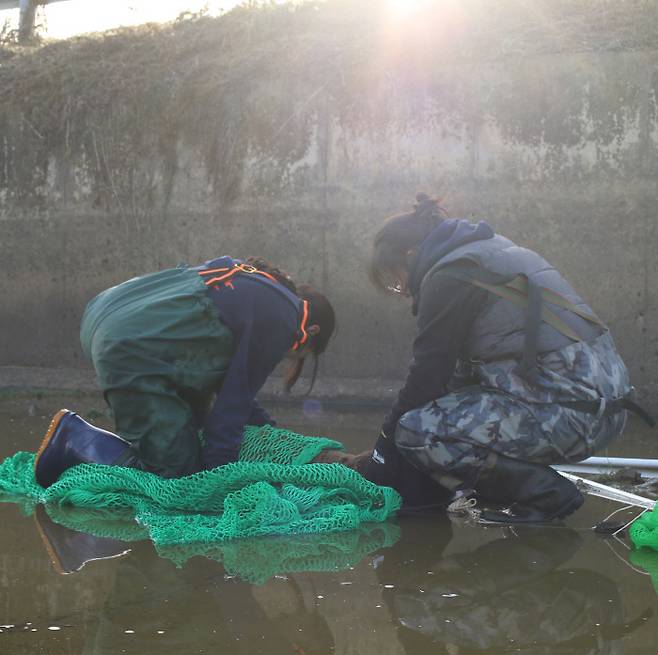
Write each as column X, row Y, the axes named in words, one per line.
column 246, row 268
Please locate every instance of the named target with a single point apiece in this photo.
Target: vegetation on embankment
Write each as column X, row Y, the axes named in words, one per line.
column 106, row 116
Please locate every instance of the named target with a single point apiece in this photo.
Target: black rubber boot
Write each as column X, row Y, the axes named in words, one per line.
column 69, row 550
column 530, row 493
column 70, row 440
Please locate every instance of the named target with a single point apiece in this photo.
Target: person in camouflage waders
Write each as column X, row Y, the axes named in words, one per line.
column 511, row 371
column 180, row 355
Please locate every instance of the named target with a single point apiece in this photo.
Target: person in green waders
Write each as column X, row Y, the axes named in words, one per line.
column 164, row 345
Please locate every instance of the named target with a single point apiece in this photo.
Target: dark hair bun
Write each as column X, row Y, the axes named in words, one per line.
column 426, row 205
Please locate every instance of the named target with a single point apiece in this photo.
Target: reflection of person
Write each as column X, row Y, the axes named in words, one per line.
column 162, row 344
column 152, row 599
column 198, row 605
column 70, row 550
column 511, row 370
column 508, row 594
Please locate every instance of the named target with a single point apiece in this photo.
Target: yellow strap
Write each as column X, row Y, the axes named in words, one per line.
column 520, row 283
column 514, row 294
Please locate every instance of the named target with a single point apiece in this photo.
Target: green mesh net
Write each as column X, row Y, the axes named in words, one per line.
column 644, row 530
column 271, row 490
column 644, row 536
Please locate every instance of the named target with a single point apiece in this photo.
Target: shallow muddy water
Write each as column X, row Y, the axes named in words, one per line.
column 418, row 585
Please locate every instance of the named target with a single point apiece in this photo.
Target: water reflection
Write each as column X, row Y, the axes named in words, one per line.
column 197, row 609
column 69, row 550
column 74, row 536
column 512, row 594
column 425, row 588
column 428, row 589
column 259, row 559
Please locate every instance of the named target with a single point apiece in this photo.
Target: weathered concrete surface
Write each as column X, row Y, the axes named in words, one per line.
column 557, row 149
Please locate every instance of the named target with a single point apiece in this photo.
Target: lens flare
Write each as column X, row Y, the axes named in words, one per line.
column 403, row 8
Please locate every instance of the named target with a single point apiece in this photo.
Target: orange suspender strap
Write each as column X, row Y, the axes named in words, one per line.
column 227, row 273
column 213, row 270
column 213, row 280
column 302, row 327
column 230, row 272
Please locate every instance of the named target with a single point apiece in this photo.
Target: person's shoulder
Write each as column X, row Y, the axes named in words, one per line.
column 221, row 261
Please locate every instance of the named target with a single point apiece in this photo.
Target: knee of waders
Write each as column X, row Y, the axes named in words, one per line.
column 383, row 467
column 412, row 431
column 388, row 467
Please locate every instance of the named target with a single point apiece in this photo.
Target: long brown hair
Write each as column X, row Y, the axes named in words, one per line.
column 400, row 235
column 320, row 313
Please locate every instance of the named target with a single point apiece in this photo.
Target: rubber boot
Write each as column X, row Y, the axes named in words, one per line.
column 532, row 493
column 70, row 440
column 69, row 550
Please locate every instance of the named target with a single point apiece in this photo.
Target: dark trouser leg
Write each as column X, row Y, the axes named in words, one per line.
column 471, row 435
column 388, row 467
column 531, row 492
column 160, row 426
column 452, row 437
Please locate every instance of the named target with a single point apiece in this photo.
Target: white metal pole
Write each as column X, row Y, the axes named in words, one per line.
column 604, row 491
column 607, row 465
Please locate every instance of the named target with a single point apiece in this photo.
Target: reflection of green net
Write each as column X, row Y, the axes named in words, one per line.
column 259, row 558
column 271, row 490
column 109, row 524
column 255, row 559
column 648, row 560
column 644, row 536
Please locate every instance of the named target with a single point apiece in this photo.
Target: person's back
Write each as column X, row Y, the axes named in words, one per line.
column 180, row 355
column 540, row 380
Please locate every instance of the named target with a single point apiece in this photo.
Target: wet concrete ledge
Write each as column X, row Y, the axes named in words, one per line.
column 341, row 391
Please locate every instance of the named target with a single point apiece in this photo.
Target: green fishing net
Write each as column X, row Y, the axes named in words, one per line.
column 644, row 530
column 271, row 490
column 644, row 536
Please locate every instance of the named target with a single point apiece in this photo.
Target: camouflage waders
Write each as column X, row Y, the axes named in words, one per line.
column 451, row 437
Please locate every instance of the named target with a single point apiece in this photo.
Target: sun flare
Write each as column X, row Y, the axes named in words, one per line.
column 403, row 8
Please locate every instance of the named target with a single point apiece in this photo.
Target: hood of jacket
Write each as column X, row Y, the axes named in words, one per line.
column 443, row 239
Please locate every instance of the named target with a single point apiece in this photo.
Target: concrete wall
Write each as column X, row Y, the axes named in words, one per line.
column 557, row 150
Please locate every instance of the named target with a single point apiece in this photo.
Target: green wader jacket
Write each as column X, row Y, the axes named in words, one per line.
column 160, row 352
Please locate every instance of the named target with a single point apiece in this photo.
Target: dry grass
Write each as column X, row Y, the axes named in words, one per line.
column 119, row 104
